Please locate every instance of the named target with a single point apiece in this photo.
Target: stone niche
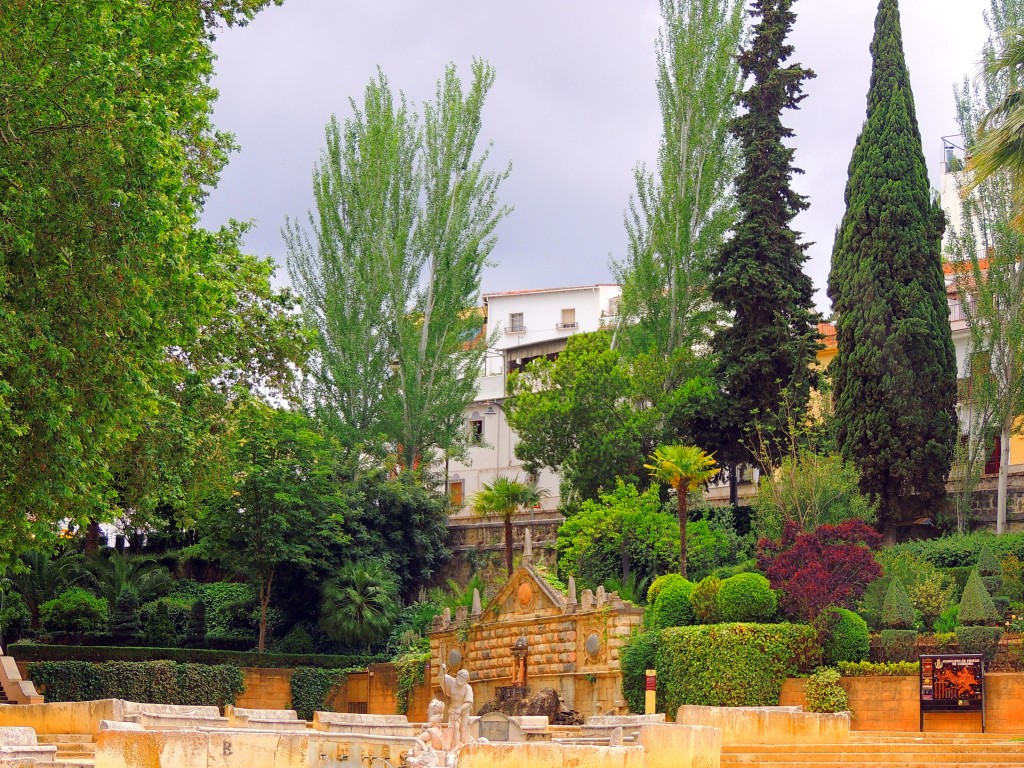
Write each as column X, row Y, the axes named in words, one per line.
column 533, row 636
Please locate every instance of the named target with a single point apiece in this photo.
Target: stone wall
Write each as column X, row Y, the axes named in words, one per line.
column 984, row 502
column 478, row 546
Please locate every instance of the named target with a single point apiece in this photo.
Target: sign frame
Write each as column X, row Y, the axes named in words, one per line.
column 971, row 702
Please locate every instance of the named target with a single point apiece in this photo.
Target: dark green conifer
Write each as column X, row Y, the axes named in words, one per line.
column 758, row 277
column 195, row 629
column 990, row 569
column 976, row 606
column 125, row 623
column 897, row 610
column 894, row 377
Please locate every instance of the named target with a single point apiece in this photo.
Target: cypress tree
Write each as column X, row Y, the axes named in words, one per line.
column 758, row 277
column 125, row 624
column 894, row 377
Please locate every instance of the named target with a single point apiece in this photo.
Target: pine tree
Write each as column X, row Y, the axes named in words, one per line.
column 894, row 376
column 765, row 355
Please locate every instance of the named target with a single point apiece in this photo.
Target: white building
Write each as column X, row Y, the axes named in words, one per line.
column 528, row 324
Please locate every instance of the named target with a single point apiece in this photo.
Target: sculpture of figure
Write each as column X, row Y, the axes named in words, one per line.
column 431, row 744
column 460, row 704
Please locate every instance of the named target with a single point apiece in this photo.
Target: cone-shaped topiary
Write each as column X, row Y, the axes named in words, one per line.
column 976, row 606
column 990, row 570
column 897, row 610
column 195, row 629
column 125, row 623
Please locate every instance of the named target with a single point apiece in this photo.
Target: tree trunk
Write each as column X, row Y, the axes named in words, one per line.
column 264, row 604
column 508, row 544
column 734, row 486
column 683, row 519
column 92, row 536
column 1004, row 468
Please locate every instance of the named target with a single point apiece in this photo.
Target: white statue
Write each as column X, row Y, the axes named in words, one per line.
column 434, row 741
column 460, row 704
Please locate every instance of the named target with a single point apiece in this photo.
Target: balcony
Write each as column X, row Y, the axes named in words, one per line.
column 566, row 326
column 515, row 330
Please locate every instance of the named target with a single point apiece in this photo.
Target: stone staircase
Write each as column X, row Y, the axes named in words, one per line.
column 74, row 750
column 885, row 750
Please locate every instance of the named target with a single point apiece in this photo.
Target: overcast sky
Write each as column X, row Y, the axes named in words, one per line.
column 573, row 108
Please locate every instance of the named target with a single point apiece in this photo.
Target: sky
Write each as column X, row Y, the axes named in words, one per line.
column 573, row 108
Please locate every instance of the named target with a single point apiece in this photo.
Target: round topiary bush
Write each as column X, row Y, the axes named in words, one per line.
column 660, row 583
column 843, row 634
column 672, row 607
column 897, row 610
column 75, row 611
column 747, row 597
column 824, row 693
column 704, row 599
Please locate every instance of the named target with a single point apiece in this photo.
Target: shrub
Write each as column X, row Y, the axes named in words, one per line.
column 159, row 630
column 124, row 625
column 888, row 669
column 948, row 620
column 195, row 629
column 75, row 611
column 897, row 610
column 990, row 570
column 899, row 644
column 976, row 606
column 660, row 583
column 747, row 597
column 831, row 566
column 704, row 600
column 672, row 607
column 732, row 664
column 963, row 550
column 312, row 686
column 66, row 680
column 843, row 635
column 15, row 617
column 977, row 639
column 638, row 655
column 296, row 641
column 824, row 693
column 945, row 642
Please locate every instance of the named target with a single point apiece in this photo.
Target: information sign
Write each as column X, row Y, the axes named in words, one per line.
column 953, row 683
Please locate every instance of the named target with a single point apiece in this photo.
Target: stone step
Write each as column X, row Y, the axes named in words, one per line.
column 942, row 735
column 824, row 757
column 74, row 763
column 870, row 749
column 69, row 750
column 64, row 738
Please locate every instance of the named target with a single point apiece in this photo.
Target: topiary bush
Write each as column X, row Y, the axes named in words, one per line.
column 638, row 654
column 899, row 644
column 75, row 611
column 704, row 600
column 897, row 610
column 296, row 641
column 672, row 607
column 731, row 665
column 660, row 583
column 843, row 635
column 195, row 629
column 990, row 570
column 975, row 639
column 158, row 630
column 823, row 692
column 125, row 625
column 976, row 606
column 747, row 597
column 871, row 669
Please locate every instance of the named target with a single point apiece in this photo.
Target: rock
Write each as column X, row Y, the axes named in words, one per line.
column 545, row 703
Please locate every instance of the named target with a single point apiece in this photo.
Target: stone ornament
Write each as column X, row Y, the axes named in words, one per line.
column 592, row 644
column 460, row 704
column 454, row 657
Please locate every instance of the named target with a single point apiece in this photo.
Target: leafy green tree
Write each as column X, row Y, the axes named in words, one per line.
column 681, row 212
column 389, row 268
column 686, row 468
column 894, row 376
column 360, row 604
column 504, row 497
column 108, row 154
column 986, row 251
column 285, row 507
column 766, row 349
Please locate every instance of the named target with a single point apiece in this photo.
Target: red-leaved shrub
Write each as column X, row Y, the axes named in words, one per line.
column 831, row 565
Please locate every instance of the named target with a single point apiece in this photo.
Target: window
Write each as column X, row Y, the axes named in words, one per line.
column 992, row 465
column 476, row 431
column 515, row 323
column 568, row 318
column 457, row 493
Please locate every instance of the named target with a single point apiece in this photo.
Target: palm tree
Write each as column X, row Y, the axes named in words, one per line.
column 110, row 575
column 1000, row 144
column 685, row 468
column 44, row 577
column 361, row 604
column 504, row 497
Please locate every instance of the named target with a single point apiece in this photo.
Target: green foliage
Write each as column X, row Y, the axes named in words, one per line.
column 729, row 665
column 894, row 377
column 990, row 569
column 75, row 611
column 109, row 574
column 390, row 280
column 886, row 669
column 638, row 654
column 948, row 619
column 704, row 599
column 765, row 354
column 660, row 583
column 945, row 642
column 843, row 635
column 810, row 489
column 962, row 550
column 311, row 687
column 897, row 610
column 504, row 497
column 156, row 682
column 99, row 653
column 159, row 631
column 15, row 617
column 979, row 639
column 672, row 607
column 824, row 693
column 976, row 606
column 411, row 669
column 124, row 624
column 931, row 591
column 361, row 603
column 747, row 597
column 195, row 629
column 899, row 644
column 296, row 641
column 221, row 599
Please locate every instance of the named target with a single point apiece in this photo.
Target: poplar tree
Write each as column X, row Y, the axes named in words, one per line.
column 766, row 351
column 894, row 376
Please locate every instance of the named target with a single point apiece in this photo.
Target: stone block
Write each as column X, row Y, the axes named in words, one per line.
column 769, row 725
column 17, row 736
column 668, row 745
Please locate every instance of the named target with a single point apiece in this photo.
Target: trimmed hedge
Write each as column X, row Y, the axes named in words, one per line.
column 885, row 669
column 637, row 656
column 844, row 635
column 156, row 682
column 963, row 550
column 824, row 693
column 899, row 644
column 747, row 597
column 983, row 640
column 672, row 607
column 100, row 653
column 732, row 665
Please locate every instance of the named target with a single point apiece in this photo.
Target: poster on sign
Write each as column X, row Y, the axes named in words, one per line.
column 953, row 683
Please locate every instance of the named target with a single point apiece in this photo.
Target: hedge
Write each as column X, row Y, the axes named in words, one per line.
column 155, row 682
column 100, row 653
column 311, row 687
column 962, row 550
column 637, row 656
column 732, row 665
column 886, row 669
